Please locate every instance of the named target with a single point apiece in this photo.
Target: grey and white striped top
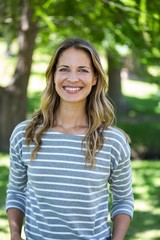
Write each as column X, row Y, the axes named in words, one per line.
column 61, row 196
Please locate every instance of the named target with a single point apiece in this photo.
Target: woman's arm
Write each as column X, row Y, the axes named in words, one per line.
column 16, row 191
column 15, row 218
column 121, row 190
column 120, row 226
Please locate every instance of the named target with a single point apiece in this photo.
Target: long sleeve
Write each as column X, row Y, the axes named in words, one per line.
column 121, row 180
column 16, row 196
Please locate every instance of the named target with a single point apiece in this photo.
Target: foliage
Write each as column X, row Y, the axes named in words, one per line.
column 124, row 27
column 119, row 29
column 9, row 19
column 105, row 21
column 144, row 138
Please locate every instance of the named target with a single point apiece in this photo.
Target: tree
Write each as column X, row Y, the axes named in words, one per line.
column 13, row 100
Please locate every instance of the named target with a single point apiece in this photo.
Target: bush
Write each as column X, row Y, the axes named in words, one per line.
column 144, row 139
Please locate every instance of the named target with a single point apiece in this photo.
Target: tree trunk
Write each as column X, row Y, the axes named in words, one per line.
column 13, row 98
column 114, row 76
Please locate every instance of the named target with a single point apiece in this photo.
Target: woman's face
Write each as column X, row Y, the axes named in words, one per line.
column 74, row 76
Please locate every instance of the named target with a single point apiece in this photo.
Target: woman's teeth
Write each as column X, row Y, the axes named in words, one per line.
column 72, row 89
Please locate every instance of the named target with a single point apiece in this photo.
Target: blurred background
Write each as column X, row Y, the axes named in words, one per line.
column 126, row 34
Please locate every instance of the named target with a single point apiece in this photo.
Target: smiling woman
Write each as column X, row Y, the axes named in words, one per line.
column 63, row 158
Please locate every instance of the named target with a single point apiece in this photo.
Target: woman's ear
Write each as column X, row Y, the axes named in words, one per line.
column 95, row 78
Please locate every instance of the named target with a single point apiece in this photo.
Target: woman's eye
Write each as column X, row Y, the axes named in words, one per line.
column 83, row 70
column 64, row 70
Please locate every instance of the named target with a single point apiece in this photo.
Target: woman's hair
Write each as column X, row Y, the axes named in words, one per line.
column 98, row 108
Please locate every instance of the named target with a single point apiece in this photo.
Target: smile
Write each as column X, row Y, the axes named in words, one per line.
column 72, row 89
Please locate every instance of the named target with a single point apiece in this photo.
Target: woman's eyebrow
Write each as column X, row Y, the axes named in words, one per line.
column 63, row 66
column 84, row 67
column 66, row 66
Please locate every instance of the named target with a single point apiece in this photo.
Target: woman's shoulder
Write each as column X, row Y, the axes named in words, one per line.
column 119, row 141
column 22, row 125
column 117, row 134
column 19, row 129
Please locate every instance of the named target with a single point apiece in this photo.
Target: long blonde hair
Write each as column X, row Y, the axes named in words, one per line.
column 99, row 109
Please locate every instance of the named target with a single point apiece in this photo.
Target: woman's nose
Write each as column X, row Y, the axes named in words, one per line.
column 73, row 77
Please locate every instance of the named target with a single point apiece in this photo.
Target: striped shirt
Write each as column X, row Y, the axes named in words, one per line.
column 61, row 196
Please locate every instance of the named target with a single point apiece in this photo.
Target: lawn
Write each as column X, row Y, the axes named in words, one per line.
column 146, row 183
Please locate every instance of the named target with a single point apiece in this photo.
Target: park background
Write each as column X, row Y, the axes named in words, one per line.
column 127, row 35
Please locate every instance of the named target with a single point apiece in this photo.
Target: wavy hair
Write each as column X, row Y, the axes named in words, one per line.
column 99, row 110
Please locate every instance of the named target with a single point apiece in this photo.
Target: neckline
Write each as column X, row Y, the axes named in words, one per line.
column 66, row 134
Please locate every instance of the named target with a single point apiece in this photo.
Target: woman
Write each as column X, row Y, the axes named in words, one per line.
column 64, row 157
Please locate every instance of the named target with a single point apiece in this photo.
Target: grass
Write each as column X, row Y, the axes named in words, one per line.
column 146, row 183
column 4, row 169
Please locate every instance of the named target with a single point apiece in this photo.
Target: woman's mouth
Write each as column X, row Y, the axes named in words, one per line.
column 72, row 89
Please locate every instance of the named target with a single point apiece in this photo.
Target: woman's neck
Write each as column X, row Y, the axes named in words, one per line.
column 71, row 119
